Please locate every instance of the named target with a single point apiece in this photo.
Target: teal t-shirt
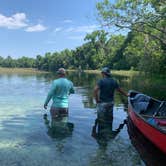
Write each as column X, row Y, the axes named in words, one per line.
column 60, row 90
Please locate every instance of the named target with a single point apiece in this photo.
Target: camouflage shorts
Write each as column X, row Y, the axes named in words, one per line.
column 105, row 111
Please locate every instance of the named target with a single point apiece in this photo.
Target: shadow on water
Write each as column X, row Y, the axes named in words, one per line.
column 58, row 130
column 150, row 154
column 103, row 132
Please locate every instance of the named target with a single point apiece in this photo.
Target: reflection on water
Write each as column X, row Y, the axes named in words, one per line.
column 102, row 131
column 28, row 140
column 151, row 155
column 58, row 128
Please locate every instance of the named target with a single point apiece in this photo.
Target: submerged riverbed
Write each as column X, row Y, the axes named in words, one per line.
column 26, row 140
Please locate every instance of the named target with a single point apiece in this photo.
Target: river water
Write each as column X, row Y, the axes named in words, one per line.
column 26, row 139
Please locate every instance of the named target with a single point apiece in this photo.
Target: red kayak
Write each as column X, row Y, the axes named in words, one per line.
column 149, row 116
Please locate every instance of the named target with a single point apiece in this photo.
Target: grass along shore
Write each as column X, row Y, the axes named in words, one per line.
column 116, row 72
column 4, row 70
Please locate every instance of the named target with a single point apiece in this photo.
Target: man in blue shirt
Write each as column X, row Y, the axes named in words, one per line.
column 104, row 95
column 59, row 93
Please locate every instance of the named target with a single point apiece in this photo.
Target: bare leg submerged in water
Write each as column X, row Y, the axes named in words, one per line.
column 59, row 127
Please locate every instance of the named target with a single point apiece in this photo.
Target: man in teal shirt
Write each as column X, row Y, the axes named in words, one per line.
column 60, row 90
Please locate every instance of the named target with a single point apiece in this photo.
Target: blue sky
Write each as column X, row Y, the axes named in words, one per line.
column 32, row 27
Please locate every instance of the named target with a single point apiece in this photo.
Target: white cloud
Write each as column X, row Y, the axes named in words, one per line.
column 68, row 21
column 85, row 29
column 71, row 29
column 36, row 28
column 57, row 29
column 15, row 21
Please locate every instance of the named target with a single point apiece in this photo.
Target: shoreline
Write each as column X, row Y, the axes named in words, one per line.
column 127, row 73
column 4, row 70
column 114, row 72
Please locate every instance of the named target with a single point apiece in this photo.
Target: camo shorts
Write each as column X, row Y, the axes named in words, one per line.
column 105, row 111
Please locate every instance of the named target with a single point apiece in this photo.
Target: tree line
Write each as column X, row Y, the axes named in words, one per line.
column 143, row 48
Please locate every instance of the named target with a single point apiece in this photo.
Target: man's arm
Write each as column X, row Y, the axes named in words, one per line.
column 72, row 91
column 122, row 92
column 96, row 94
column 49, row 96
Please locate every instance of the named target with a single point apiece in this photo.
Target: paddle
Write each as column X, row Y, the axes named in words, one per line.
column 156, row 112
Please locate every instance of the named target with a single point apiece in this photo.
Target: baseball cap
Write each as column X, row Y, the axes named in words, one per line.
column 106, row 71
column 61, row 71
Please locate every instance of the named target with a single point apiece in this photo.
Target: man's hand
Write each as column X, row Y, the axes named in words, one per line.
column 45, row 106
column 122, row 92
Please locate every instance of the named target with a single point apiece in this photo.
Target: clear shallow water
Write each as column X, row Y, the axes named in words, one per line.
column 25, row 138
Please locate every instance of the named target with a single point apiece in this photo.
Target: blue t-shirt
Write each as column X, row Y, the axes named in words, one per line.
column 60, row 90
column 107, row 88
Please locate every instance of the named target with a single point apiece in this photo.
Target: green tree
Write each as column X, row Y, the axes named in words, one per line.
column 9, row 62
column 97, row 49
column 146, row 16
column 146, row 20
column 1, row 60
column 25, row 62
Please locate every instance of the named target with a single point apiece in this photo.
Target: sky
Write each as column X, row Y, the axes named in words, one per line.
column 34, row 27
